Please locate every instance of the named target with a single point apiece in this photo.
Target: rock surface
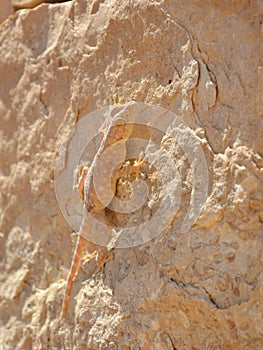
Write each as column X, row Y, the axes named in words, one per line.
column 5, row 9
column 202, row 289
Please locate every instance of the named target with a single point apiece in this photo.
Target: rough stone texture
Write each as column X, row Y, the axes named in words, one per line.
column 198, row 290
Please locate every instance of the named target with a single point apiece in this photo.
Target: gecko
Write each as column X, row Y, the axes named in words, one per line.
column 114, row 130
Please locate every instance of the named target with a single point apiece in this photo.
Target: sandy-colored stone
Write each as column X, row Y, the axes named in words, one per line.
column 201, row 289
column 6, row 9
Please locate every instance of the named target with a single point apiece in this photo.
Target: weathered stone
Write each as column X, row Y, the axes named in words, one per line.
column 199, row 289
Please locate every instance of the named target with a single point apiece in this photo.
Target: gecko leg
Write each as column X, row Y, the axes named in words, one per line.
column 103, row 256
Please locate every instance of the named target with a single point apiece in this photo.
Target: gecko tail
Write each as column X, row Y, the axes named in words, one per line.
column 80, row 246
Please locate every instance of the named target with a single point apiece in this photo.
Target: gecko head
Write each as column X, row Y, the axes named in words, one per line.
column 120, row 130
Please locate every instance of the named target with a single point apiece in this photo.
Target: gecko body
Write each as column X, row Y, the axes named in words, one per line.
column 115, row 131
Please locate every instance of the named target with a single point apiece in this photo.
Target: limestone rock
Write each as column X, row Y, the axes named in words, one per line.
column 200, row 289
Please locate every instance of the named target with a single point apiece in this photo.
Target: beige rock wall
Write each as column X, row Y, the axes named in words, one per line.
column 196, row 290
column 5, row 9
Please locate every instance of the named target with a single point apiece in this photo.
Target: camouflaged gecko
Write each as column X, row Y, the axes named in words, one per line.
column 114, row 130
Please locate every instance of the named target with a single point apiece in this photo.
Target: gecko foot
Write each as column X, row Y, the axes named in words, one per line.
column 103, row 256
